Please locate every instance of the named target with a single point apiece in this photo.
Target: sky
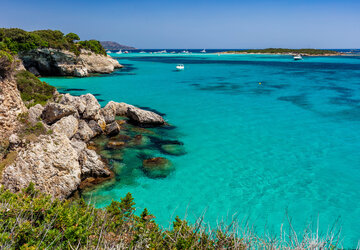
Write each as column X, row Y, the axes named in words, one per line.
column 188, row 24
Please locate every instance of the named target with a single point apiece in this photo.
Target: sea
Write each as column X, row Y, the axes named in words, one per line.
column 261, row 139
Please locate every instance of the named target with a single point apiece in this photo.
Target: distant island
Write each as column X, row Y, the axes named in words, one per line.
column 281, row 51
column 108, row 45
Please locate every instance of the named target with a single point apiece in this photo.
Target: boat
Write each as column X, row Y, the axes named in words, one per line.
column 203, row 51
column 180, row 67
column 298, row 57
column 185, row 51
column 126, row 52
column 119, row 52
column 108, row 51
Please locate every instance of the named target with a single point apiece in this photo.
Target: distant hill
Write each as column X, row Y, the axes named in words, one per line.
column 115, row 46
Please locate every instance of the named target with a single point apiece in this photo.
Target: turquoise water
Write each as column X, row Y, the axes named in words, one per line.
column 289, row 144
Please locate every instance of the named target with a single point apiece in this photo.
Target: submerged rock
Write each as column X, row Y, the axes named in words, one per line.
column 173, row 149
column 51, row 163
column 115, row 144
column 144, row 117
column 157, row 167
column 55, row 111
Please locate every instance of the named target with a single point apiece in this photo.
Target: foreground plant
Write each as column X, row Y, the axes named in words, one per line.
column 32, row 220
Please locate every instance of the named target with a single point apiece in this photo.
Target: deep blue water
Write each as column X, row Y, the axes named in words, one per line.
column 290, row 144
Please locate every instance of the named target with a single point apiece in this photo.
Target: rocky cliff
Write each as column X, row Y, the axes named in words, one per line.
column 11, row 104
column 47, row 61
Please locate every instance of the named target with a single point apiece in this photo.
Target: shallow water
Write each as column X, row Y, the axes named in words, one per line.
column 289, row 144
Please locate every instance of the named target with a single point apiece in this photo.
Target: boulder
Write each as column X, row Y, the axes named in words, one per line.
column 78, row 145
column 81, row 72
column 109, row 112
column 55, row 111
column 35, row 113
column 67, row 125
column 95, row 127
column 84, row 133
column 91, row 165
column 112, row 129
column 51, row 163
column 92, row 107
column 122, row 107
column 144, row 117
column 157, row 167
column 74, row 101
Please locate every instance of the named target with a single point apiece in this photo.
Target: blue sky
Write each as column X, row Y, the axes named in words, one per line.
column 196, row 23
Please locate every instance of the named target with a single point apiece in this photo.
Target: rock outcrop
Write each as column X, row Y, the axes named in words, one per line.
column 47, row 61
column 91, row 165
column 35, row 113
column 55, row 111
column 67, row 125
column 58, row 162
column 51, row 164
column 11, row 106
column 144, row 117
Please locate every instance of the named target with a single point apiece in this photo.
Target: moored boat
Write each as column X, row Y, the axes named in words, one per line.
column 298, row 57
column 180, row 67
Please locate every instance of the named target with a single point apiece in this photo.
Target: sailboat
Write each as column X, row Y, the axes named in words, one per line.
column 119, row 52
column 203, row 51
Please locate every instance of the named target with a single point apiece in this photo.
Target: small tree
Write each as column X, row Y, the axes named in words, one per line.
column 71, row 37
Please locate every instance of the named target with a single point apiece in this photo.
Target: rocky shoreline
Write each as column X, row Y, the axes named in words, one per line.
column 51, row 62
column 51, row 145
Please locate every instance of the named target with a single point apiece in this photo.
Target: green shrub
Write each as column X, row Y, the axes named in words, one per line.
column 6, row 62
column 93, row 45
column 32, row 89
column 17, row 40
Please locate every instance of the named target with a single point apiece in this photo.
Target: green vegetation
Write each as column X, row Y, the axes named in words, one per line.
column 32, row 90
column 32, row 220
column 288, row 51
column 17, row 40
column 6, row 62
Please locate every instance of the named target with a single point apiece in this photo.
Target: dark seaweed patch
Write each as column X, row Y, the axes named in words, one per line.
column 74, row 89
column 298, row 100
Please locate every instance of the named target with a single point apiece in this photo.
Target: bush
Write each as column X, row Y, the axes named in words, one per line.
column 93, row 45
column 32, row 89
column 6, row 62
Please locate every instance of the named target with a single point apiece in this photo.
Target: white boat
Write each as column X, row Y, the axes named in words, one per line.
column 203, row 51
column 108, row 51
column 185, row 51
column 119, row 52
column 180, row 67
column 298, row 57
column 126, row 52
